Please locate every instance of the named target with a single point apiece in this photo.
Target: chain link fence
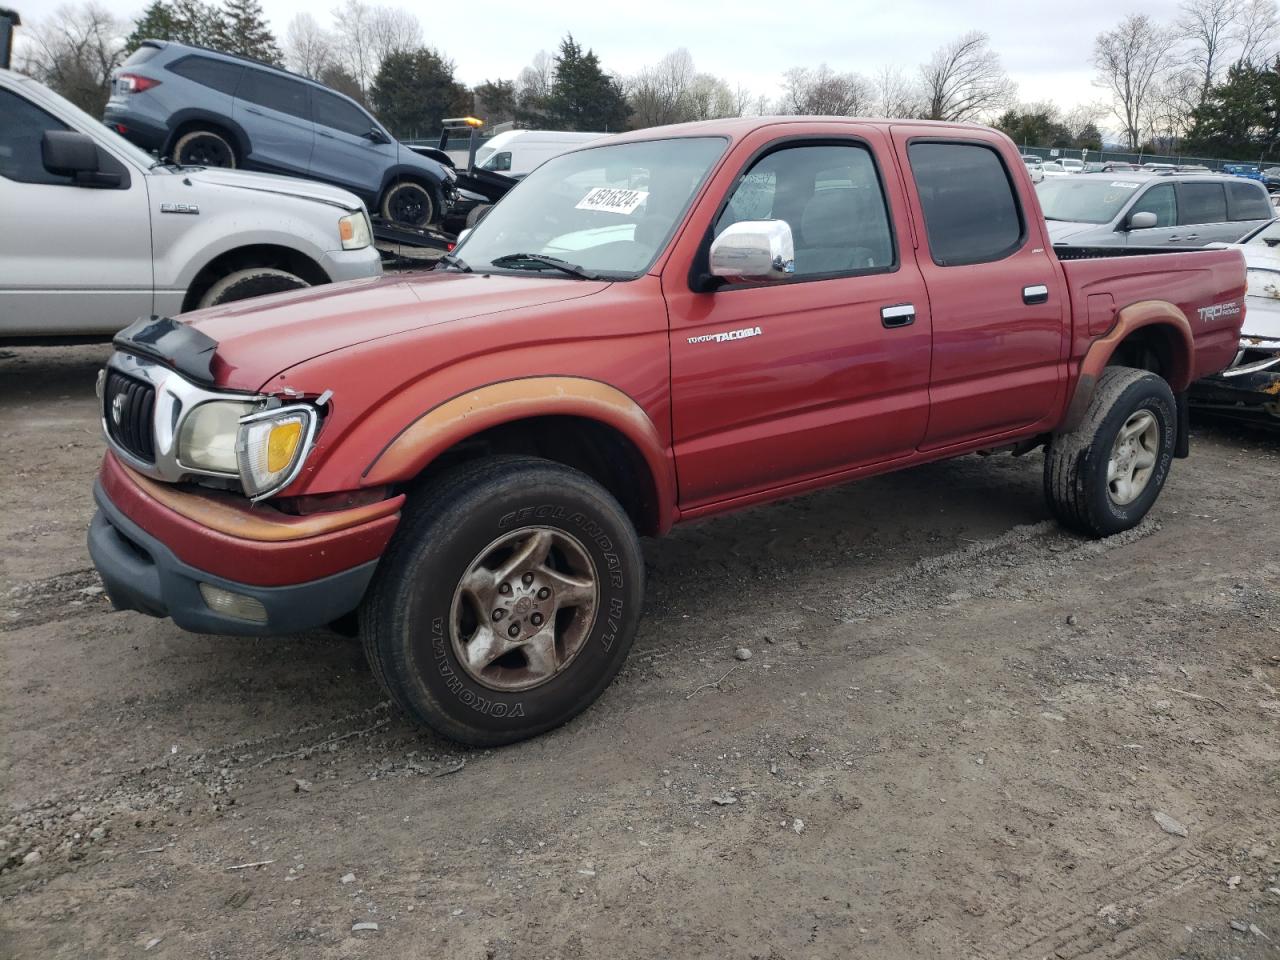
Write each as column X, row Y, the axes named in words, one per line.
column 1120, row 156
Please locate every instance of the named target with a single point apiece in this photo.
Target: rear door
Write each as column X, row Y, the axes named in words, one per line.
column 1202, row 213
column 1000, row 316
column 779, row 383
column 73, row 260
column 1249, row 207
column 344, row 154
column 275, row 113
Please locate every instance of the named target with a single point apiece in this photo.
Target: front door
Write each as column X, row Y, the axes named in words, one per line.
column 73, row 259
column 790, row 381
column 1001, row 322
column 1161, row 200
column 344, row 154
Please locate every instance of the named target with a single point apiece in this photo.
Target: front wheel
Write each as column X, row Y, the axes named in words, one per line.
column 251, row 282
column 408, row 203
column 1103, row 477
column 507, row 600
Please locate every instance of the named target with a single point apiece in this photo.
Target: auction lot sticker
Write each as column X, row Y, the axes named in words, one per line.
column 612, row 200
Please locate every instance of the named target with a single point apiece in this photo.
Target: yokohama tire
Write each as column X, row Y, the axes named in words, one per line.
column 420, row 610
column 1080, row 465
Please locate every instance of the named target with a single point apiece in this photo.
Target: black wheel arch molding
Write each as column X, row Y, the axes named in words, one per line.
column 190, row 115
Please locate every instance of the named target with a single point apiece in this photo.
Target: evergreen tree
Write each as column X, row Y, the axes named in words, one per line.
column 583, row 96
column 1240, row 118
column 336, row 78
column 197, row 23
column 495, row 101
column 156, row 23
column 245, row 31
column 414, row 90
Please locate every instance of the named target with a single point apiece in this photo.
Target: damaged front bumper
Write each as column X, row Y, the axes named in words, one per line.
column 1249, row 387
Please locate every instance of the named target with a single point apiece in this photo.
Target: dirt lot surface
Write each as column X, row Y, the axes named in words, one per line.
column 953, row 738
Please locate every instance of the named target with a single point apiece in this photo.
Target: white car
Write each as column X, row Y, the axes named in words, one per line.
column 95, row 233
column 1250, row 387
column 1054, row 169
column 1071, row 164
column 517, row 152
column 1035, row 167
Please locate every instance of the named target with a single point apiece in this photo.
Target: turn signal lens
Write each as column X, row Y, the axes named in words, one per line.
column 282, row 444
column 354, row 231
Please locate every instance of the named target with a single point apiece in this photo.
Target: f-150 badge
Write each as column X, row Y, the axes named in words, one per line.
column 179, row 208
column 727, row 335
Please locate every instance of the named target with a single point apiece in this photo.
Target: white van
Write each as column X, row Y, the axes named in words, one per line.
column 517, row 152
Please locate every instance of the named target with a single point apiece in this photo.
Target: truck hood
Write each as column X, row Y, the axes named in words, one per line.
column 270, row 183
column 256, row 339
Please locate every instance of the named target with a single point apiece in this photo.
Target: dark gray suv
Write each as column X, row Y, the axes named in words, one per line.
column 212, row 109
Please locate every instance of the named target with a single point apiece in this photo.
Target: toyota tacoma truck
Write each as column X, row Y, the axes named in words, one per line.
column 667, row 325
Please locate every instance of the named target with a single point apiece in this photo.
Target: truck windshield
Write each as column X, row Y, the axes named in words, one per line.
column 608, row 210
column 1091, row 199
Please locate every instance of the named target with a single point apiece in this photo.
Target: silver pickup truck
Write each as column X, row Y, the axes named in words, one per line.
column 95, row 233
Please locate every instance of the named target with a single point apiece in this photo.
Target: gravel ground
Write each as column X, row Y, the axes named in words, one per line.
column 960, row 733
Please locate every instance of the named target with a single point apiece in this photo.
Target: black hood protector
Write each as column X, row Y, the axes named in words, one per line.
column 178, row 346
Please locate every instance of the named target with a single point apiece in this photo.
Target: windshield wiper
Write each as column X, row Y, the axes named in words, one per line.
column 457, row 263
column 555, row 263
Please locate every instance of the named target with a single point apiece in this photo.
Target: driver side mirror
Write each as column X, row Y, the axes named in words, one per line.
column 377, row 136
column 66, row 153
column 1143, row 220
column 754, row 251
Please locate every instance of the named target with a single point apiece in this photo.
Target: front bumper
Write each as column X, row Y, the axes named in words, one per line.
column 1251, row 394
column 153, row 558
column 352, row 264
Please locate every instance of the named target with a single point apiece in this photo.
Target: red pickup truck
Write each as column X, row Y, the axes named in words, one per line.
column 671, row 324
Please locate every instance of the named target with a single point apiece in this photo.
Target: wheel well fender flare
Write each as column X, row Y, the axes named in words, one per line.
column 468, row 414
column 1161, row 319
column 193, row 116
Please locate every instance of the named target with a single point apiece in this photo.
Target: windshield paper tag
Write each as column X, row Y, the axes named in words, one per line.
column 612, row 200
column 1124, row 185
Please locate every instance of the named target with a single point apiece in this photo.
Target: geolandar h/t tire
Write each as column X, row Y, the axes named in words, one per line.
column 1103, row 477
column 507, row 600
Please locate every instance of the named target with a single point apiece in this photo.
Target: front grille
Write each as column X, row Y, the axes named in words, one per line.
column 128, row 406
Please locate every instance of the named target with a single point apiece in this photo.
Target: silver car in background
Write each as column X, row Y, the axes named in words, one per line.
column 1149, row 210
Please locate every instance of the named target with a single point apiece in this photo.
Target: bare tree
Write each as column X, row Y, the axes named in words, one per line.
column 823, row 92
column 393, row 30
column 742, row 98
column 1208, row 27
column 366, row 35
column 309, row 49
column 1131, row 60
column 658, row 94
column 709, row 98
column 533, row 85
column 965, row 81
column 896, row 96
column 1256, row 28
column 74, row 52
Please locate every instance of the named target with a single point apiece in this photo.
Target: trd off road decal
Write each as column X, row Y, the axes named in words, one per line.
column 1229, row 309
column 727, row 335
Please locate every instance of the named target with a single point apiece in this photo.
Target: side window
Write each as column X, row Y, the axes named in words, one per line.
column 1160, row 201
column 334, row 112
column 499, row 161
column 1202, row 203
column 275, row 93
column 831, row 197
column 215, row 74
column 1247, row 201
column 22, row 126
column 970, row 212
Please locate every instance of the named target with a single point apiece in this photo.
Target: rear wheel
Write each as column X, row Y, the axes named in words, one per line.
column 1103, row 477
column 507, row 600
column 251, row 282
column 204, row 148
column 408, row 203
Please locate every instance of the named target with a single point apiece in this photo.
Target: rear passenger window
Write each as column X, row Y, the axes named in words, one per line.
column 215, row 74
column 970, row 212
column 332, row 111
column 831, row 198
column 1202, row 203
column 275, row 93
column 1248, row 201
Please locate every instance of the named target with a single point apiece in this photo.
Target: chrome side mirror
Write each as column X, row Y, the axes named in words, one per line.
column 756, row 251
column 1143, row 220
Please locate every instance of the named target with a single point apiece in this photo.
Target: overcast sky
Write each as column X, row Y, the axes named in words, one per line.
column 1046, row 47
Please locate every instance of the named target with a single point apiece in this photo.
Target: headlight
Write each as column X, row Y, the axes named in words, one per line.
column 354, row 231
column 271, row 448
column 208, row 437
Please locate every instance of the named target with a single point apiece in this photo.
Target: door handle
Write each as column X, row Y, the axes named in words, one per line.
column 898, row 315
column 254, row 111
column 1037, row 293
column 327, row 136
column 1189, row 236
